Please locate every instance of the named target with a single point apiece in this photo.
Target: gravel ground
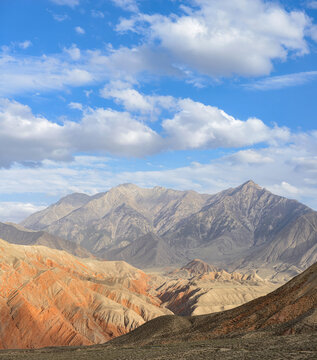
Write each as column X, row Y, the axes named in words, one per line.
column 293, row 347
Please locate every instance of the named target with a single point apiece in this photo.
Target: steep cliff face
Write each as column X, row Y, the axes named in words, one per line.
column 49, row 298
column 237, row 228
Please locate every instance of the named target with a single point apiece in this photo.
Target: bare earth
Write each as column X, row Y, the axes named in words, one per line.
column 292, row 347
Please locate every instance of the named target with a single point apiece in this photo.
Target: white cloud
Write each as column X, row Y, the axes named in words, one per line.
column 25, row 137
column 17, row 211
column 75, row 106
column 106, row 130
column 223, row 38
column 28, row 138
column 283, row 81
column 45, row 73
column 198, row 126
column 73, row 52
column 132, row 100
column 128, row 5
column 71, row 3
column 80, row 30
column 25, row 44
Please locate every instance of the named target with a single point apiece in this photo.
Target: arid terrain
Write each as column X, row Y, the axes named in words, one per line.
column 49, row 297
column 291, row 347
column 58, row 288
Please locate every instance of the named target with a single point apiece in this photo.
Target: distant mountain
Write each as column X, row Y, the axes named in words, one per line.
column 238, row 228
column 291, row 309
column 63, row 207
column 16, row 234
column 51, row 298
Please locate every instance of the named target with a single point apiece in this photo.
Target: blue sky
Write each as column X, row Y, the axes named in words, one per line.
column 197, row 94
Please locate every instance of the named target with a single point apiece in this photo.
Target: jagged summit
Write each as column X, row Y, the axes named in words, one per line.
column 223, row 229
column 250, row 184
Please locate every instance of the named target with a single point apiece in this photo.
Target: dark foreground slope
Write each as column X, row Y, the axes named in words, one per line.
column 291, row 309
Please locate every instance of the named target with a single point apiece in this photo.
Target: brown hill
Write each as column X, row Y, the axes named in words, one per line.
column 290, row 309
column 51, row 298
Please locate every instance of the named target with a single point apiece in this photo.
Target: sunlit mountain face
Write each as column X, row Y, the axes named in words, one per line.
column 199, row 95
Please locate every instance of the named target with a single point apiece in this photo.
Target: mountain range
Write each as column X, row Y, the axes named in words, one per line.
column 241, row 228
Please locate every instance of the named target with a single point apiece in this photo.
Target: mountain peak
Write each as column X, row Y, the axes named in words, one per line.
column 250, row 184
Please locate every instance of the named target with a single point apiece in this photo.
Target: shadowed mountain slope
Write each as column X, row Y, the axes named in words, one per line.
column 16, row 234
column 290, row 309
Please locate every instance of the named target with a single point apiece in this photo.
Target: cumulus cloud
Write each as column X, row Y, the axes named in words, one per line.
column 71, row 3
column 198, row 126
column 134, row 101
column 107, row 130
column 29, row 139
column 222, row 38
column 26, row 137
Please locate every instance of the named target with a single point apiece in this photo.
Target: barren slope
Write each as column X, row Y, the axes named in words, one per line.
column 290, row 309
column 50, row 298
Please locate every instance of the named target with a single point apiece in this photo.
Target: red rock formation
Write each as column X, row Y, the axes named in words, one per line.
column 51, row 298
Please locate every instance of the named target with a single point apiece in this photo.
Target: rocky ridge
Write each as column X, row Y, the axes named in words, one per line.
column 237, row 229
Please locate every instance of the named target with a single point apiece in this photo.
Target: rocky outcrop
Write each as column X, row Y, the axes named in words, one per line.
column 50, row 298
